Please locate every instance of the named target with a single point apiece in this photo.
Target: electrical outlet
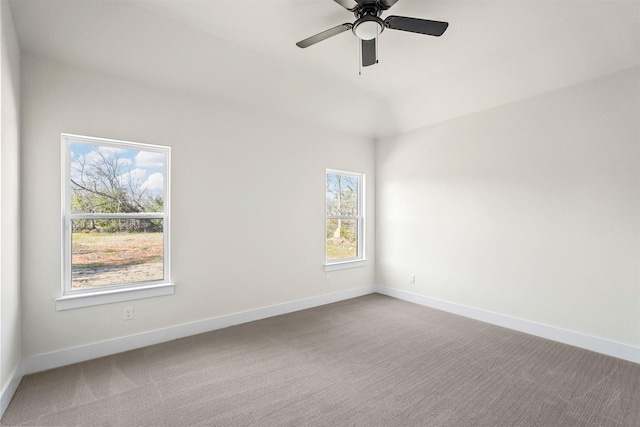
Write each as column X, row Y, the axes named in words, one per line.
column 412, row 279
column 128, row 313
column 327, row 279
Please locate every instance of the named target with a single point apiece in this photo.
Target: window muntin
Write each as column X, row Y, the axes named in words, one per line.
column 344, row 217
column 115, row 215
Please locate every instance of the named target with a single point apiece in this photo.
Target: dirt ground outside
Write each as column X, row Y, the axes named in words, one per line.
column 100, row 259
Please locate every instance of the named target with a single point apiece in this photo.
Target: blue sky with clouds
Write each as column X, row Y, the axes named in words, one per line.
column 144, row 167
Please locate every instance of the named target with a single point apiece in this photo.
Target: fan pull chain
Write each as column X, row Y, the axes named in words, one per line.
column 359, row 57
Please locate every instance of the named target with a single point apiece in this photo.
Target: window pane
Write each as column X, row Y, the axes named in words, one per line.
column 342, row 239
column 342, row 195
column 107, row 179
column 115, row 251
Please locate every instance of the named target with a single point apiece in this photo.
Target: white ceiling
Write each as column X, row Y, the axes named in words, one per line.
column 243, row 52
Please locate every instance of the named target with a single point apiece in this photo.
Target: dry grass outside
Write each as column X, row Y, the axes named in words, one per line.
column 341, row 248
column 100, row 259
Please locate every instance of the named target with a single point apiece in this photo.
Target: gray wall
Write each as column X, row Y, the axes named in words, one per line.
column 10, row 310
column 248, row 194
column 529, row 210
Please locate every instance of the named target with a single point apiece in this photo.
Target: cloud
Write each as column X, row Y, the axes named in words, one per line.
column 109, row 151
column 133, row 177
column 154, row 183
column 147, row 159
column 102, row 154
column 137, row 174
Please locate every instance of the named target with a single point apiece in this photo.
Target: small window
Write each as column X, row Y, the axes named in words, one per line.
column 344, row 217
column 115, row 216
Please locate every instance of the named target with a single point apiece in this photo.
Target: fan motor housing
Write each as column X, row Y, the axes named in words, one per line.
column 366, row 9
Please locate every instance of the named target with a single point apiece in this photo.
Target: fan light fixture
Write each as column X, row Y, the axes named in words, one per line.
column 368, row 27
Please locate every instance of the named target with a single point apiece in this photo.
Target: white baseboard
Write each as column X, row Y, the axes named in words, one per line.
column 10, row 387
column 42, row 362
column 576, row 339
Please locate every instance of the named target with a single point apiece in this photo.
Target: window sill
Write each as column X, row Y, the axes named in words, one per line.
column 345, row 264
column 69, row 302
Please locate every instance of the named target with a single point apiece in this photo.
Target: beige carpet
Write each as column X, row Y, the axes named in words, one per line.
column 369, row 361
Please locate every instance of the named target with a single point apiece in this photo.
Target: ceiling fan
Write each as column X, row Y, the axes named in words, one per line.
column 369, row 25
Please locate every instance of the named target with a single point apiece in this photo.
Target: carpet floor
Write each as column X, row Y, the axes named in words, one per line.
column 368, row 361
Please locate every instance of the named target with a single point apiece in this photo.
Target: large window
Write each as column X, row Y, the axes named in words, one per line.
column 115, row 220
column 344, row 217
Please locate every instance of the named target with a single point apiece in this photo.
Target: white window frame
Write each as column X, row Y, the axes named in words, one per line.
column 360, row 260
column 76, row 298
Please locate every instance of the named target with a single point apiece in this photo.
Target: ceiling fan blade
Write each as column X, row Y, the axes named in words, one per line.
column 415, row 25
column 324, row 35
column 368, row 52
column 386, row 4
column 348, row 4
